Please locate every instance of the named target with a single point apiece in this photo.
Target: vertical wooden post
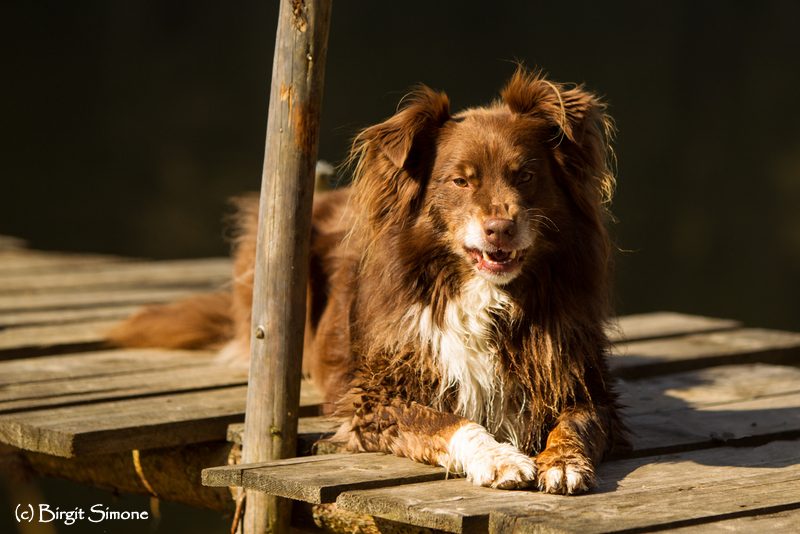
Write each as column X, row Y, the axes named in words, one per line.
column 281, row 270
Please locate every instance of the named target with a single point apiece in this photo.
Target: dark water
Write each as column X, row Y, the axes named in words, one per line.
column 63, row 507
column 126, row 124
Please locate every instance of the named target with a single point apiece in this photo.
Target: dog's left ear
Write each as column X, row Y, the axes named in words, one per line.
column 573, row 111
column 581, row 132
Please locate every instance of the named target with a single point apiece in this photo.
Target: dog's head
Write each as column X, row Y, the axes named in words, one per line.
column 497, row 184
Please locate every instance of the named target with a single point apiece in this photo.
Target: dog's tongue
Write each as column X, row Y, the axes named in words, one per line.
column 499, row 256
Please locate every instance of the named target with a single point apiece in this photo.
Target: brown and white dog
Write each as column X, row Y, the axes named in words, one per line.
column 458, row 293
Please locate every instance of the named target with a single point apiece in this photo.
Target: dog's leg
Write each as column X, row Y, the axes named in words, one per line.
column 429, row 436
column 574, row 447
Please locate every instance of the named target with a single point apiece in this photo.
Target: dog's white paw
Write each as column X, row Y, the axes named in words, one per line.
column 503, row 467
column 566, row 474
column 485, row 462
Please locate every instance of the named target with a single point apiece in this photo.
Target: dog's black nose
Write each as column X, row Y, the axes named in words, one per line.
column 499, row 231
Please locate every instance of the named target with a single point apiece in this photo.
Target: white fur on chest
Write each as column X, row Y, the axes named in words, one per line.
column 465, row 353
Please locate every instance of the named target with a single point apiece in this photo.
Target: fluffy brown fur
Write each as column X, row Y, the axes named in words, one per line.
column 464, row 279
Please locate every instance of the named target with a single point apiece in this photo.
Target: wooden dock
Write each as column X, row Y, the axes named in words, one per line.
column 715, row 407
column 716, row 417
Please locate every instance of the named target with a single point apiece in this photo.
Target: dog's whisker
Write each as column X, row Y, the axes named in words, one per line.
column 547, row 221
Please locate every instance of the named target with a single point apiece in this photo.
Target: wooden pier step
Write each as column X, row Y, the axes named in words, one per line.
column 717, row 446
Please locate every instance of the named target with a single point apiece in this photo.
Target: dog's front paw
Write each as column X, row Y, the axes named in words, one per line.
column 485, row 462
column 564, row 470
column 503, row 467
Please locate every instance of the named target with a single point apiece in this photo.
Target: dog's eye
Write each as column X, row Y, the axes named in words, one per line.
column 460, row 182
column 525, row 177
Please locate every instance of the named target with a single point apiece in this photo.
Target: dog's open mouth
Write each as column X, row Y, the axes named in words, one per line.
column 498, row 261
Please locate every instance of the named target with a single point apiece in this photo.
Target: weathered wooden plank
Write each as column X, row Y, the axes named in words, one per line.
column 787, row 521
column 319, row 479
column 27, row 262
column 175, row 273
column 671, row 507
column 162, row 421
column 644, row 493
column 760, row 419
column 92, row 298
column 53, row 339
column 86, row 413
column 707, row 387
column 699, row 409
column 67, row 316
column 73, row 391
column 676, row 354
column 677, row 490
column 664, row 324
column 98, row 364
column 231, row 475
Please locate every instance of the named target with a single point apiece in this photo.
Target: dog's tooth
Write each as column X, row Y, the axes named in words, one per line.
column 514, row 254
column 486, row 256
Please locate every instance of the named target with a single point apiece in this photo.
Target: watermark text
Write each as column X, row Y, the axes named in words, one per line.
column 44, row 513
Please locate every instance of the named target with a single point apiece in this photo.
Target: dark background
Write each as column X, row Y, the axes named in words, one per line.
column 126, row 124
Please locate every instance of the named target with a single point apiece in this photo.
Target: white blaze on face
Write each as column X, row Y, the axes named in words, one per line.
column 495, row 265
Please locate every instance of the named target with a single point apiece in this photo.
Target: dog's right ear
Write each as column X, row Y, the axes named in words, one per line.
column 390, row 161
column 410, row 128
